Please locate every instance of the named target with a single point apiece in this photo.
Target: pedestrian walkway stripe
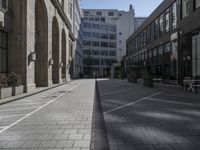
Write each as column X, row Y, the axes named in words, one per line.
column 28, row 115
column 23, row 104
column 2, row 127
column 110, row 93
column 137, row 101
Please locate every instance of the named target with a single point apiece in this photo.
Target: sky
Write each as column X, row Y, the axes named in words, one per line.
column 143, row 8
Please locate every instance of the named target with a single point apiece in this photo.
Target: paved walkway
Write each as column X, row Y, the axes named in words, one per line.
column 140, row 118
column 59, row 119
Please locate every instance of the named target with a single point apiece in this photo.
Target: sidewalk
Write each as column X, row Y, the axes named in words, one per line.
column 63, row 122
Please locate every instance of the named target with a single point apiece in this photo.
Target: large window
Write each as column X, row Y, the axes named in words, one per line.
column 167, row 21
column 196, row 56
column 185, row 8
column 4, row 3
column 161, row 22
column 3, row 52
column 197, row 3
column 174, row 16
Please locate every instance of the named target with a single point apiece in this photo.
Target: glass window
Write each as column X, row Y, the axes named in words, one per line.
column 156, row 29
column 196, row 55
column 104, row 27
column 95, row 35
column 95, row 26
column 104, row 44
column 104, row 36
column 103, row 19
column 167, row 21
column 86, row 43
column 4, row 4
column 3, row 52
column 95, row 52
column 112, row 53
column 95, row 43
column 112, row 36
column 197, row 3
column 111, row 13
column 185, row 8
column 87, row 25
column 113, row 28
column 161, row 23
column 112, row 45
column 99, row 13
column 104, row 53
column 87, row 34
column 174, row 16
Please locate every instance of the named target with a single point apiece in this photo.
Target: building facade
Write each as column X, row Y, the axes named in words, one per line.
column 105, row 32
column 36, row 40
column 78, row 44
column 167, row 43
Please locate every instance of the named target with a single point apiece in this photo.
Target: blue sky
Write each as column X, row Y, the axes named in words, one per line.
column 142, row 7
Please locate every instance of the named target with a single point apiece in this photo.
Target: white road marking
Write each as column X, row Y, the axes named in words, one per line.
column 110, row 93
column 41, row 107
column 142, row 99
column 18, row 109
column 2, row 117
column 173, row 102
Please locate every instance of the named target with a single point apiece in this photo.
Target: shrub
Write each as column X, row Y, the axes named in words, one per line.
column 148, row 80
column 14, row 80
column 3, row 80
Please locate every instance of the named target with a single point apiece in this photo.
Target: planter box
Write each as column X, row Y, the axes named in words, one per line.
column 5, row 92
column 17, row 90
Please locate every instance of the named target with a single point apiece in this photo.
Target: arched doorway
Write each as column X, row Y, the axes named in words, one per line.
column 55, row 52
column 64, row 57
column 41, row 44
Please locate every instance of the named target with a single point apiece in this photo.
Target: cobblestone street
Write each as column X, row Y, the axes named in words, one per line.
column 140, row 118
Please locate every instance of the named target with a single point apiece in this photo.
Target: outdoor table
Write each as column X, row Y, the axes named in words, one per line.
column 190, row 83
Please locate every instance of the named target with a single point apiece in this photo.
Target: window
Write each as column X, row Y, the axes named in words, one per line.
column 104, row 53
column 95, row 43
column 185, row 8
column 95, row 35
column 120, row 33
column 174, row 16
column 87, row 43
column 99, row 13
column 156, row 27
column 111, row 13
column 113, row 28
column 104, row 36
column 112, row 45
column 4, row 4
column 197, row 4
column 112, row 53
column 161, row 29
column 87, row 34
column 95, row 26
column 3, row 52
column 87, row 25
column 95, row 52
column 87, row 52
column 91, row 19
column 167, row 21
column 112, row 36
column 70, row 10
column 96, row 19
column 63, row 4
column 104, row 44
column 104, row 27
column 103, row 19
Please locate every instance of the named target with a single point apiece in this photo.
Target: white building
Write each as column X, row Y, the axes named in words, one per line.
column 105, row 32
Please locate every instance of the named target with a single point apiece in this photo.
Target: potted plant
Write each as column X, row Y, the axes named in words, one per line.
column 148, row 80
column 5, row 91
column 14, row 80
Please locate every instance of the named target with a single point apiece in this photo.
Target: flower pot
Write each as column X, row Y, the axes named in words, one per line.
column 16, row 90
column 5, row 92
column 148, row 83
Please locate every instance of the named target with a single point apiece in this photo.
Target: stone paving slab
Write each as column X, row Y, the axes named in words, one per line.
column 168, row 120
column 63, row 124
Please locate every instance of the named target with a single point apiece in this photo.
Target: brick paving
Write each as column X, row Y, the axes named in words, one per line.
column 140, row 118
column 63, row 124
